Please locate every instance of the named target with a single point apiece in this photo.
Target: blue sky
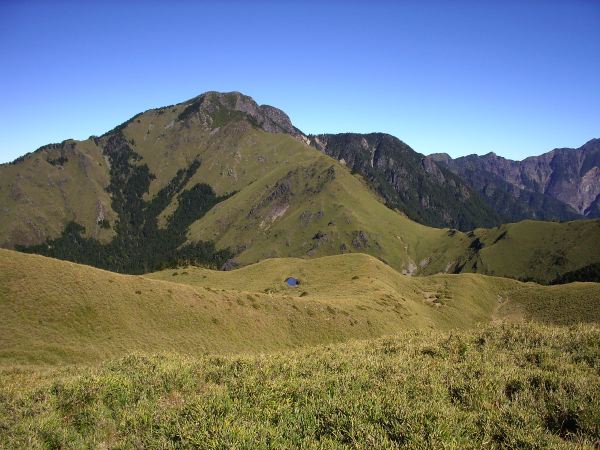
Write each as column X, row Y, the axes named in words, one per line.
column 517, row 78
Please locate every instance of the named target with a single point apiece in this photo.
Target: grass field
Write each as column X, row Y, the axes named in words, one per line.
column 56, row 312
column 536, row 250
column 358, row 355
column 509, row 386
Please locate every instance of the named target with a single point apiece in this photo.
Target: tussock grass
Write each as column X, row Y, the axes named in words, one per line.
column 56, row 312
column 91, row 358
column 511, row 386
column 566, row 304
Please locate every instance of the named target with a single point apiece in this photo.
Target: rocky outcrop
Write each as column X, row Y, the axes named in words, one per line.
column 212, row 109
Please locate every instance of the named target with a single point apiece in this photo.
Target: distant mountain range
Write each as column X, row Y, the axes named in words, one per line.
column 221, row 181
column 563, row 184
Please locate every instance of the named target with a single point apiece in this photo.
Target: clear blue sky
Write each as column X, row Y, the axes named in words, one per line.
column 518, row 78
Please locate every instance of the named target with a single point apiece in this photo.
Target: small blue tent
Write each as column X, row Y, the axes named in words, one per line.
column 291, row 281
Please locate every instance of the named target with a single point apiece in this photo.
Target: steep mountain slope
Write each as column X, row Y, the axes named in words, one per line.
column 73, row 181
column 409, row 182
column 562, row 184
column 221, row 181
column 321, row 209
column 42, row 191
column 55, row 311
column 316, row 209
column 164, row 167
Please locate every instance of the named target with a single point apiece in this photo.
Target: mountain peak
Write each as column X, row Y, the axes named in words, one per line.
column 213, row 107
column 440, row 157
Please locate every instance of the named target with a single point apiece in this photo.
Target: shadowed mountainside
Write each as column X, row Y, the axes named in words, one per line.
column 408, row 181
column 563, row 184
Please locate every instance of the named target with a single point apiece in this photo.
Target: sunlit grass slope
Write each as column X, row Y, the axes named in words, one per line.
column 54, row 311
column 319, row 209
column 364, row 277
column 504, row 386
column 40, row 194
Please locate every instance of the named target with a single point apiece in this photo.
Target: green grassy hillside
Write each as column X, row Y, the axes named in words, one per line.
column 493, row 387
column 44, row 190
column 216, row 178
column 320, row 208
column 533, row 250
column 60, row 312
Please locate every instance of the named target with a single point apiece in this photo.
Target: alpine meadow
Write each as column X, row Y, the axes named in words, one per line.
column 210, row 274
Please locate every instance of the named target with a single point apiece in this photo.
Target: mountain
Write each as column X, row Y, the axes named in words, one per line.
column 563, row 184
column 220, row 181
column 408, row 181
column 74, row 181
column 124, row 201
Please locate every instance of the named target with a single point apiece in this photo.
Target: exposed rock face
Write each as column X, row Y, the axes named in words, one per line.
column 408, row 181
column 559, row 185
column 276, row 120
column 211, row 108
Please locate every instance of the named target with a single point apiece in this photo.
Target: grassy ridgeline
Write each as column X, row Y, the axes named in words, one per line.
column 56, row 312
column 518, row 386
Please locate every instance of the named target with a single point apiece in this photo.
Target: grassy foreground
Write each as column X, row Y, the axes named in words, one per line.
column 516, row 386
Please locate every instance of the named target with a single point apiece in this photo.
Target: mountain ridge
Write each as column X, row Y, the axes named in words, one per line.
column 562, row 184
column 408, row 181
column 219, row 180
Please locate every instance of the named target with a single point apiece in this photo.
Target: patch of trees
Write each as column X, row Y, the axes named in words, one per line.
column 590, row 272
column 140, row 245
column 59, row 161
